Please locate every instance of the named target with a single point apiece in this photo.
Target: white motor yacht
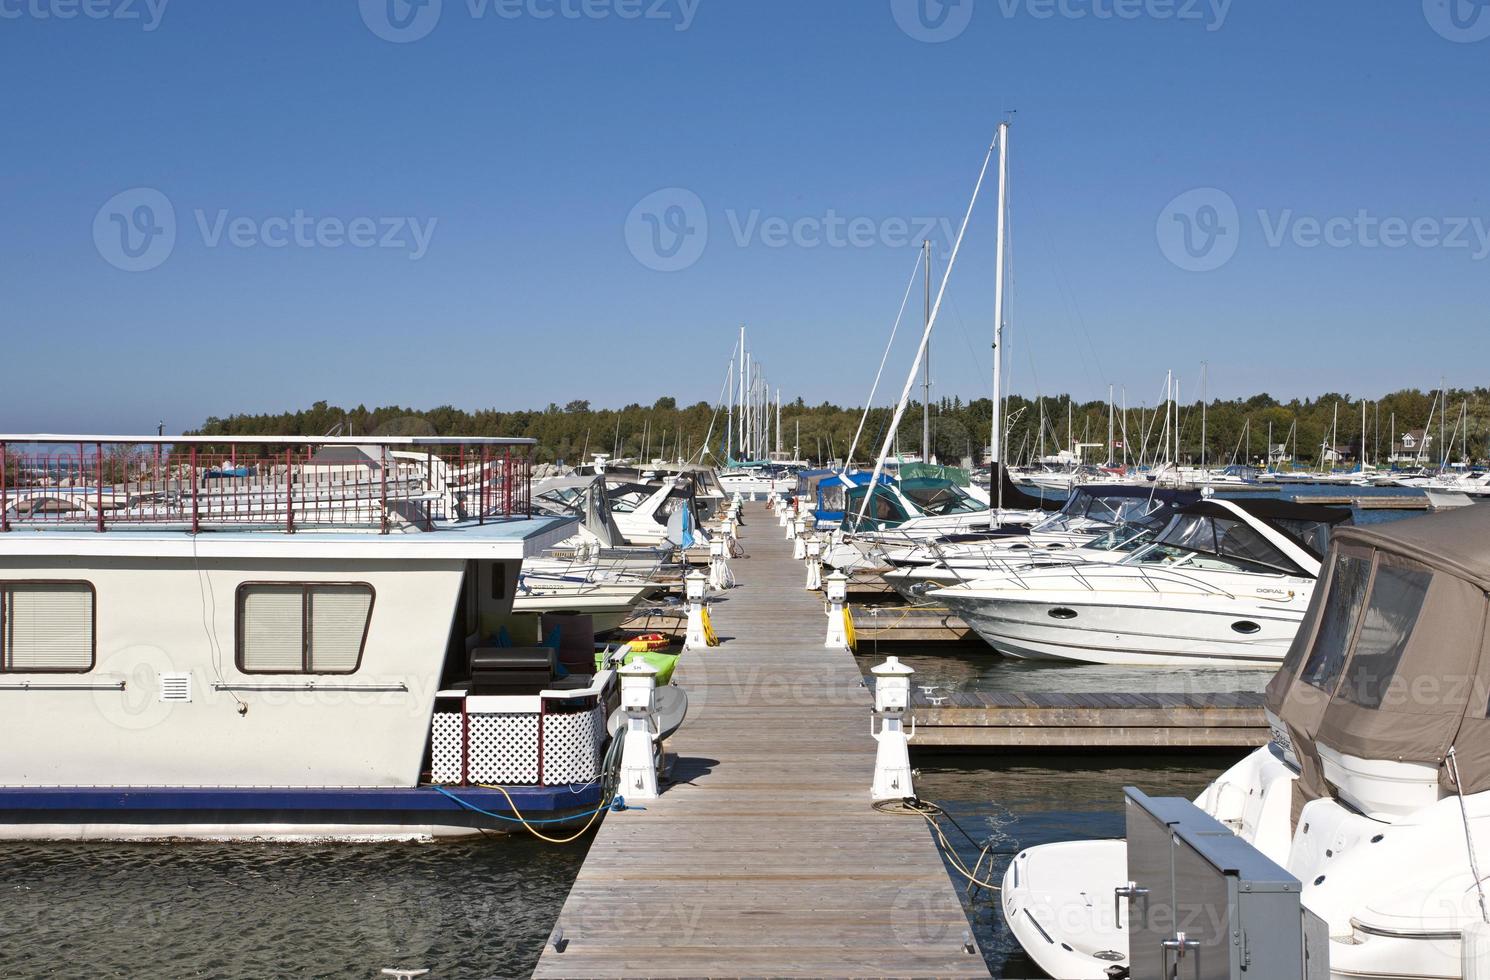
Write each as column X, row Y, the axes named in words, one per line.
column 1225, row 584
column 1100, row 523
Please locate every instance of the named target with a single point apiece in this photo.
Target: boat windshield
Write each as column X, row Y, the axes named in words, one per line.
column 1202, row 541
column 1088, row 507
column 1125, row 537
column 1315, row 534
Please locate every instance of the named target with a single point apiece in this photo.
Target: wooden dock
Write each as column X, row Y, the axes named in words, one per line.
column 764, row 857
column 973, row 720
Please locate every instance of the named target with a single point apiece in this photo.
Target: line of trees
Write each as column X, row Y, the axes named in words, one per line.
column 960, row 430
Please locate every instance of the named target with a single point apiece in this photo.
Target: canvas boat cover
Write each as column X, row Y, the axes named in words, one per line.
column 1005, row 493
column 1390, row 660
column 953, row 474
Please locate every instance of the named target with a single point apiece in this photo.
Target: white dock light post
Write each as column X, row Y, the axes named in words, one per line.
column 799, row 538
column 720, row 577
column 837, row 596
column 695, row 585
column 781, row 514
column 638, row 755
column 814, row 563
column 892, row 759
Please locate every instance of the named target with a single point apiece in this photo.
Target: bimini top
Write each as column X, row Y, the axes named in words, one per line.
column 1389, row 662
column 1309, row 525
column 1272, row 509
column 1004, row 492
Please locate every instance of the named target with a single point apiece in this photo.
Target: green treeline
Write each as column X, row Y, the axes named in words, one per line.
column 959, row 429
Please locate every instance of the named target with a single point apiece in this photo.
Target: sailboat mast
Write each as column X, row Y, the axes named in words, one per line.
column 1202, row 416
column 926, row 378
column 998, row 326
column 1109, row 425
column 1443, row 393
column 729, row 422
column 741, row 393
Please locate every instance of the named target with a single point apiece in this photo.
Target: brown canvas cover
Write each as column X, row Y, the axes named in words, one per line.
column 1410, row 674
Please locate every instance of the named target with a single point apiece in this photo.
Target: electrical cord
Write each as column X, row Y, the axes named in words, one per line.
column 930, row 812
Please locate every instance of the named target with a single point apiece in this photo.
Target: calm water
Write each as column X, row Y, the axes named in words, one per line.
column 477, row 909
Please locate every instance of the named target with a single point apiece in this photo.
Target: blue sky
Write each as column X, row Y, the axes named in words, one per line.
column 463, row 213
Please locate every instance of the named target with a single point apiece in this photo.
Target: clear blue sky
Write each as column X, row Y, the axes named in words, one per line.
column 528, row 141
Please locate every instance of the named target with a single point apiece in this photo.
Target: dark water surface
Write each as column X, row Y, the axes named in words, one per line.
column 481, row 908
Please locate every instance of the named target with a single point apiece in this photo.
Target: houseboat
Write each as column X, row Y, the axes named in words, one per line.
column 305, row 638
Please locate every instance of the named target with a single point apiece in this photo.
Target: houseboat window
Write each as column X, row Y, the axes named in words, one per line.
column 1342, row 610
column 302, row 628
column 46, row 627
column 1396, row 600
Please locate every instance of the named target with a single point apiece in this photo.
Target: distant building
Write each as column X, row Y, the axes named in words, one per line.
column 1412, row 445
column 1337, row 454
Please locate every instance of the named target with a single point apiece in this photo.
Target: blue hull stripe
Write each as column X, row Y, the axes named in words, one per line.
column 415, row 799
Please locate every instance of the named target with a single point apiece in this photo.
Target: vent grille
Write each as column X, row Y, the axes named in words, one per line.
column 175, row 687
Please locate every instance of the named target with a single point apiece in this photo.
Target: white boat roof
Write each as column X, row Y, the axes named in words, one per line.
column 496, row 540
column 43, row 437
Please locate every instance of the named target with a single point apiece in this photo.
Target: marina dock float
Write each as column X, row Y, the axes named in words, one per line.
column 917, row 624
column 980, row 719
column 764, row 857
column 1383, row 502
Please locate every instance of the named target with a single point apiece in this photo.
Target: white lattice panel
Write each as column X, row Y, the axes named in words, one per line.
column 571, row 746
column 445, row 747
column 503, row 748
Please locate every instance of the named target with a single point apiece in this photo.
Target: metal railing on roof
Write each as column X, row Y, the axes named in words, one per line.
column 266, row 483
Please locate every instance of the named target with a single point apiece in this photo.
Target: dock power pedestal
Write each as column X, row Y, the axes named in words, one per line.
column 1203, row 904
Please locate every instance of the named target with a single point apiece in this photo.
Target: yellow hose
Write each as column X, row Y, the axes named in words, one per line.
column 538, row 834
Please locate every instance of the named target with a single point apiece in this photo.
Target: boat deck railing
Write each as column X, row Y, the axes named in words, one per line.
column 275, row 483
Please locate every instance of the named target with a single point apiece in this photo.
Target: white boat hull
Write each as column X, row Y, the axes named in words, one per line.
column 1199, row 631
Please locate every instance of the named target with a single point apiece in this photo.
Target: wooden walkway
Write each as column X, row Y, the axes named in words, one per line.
column 765, row 858
column 1071, row 721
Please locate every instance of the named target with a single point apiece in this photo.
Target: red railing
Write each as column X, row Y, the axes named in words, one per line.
column 386, row 487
